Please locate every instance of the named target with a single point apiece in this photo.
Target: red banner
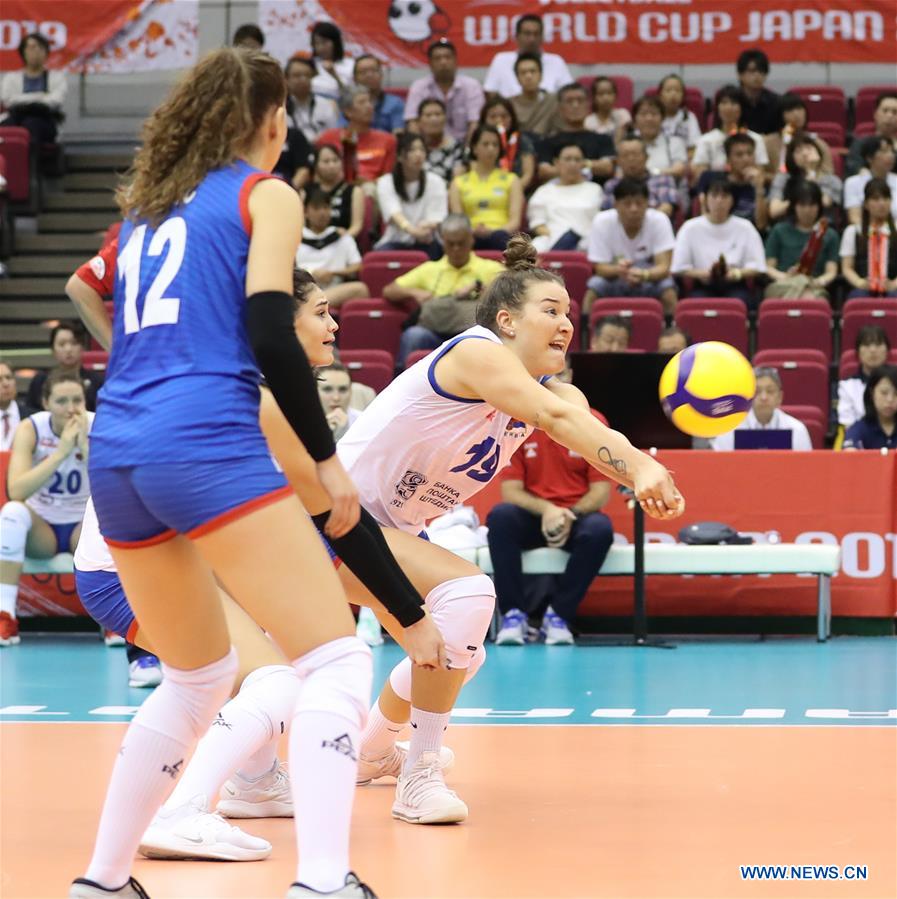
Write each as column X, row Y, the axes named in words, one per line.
column 596, row 32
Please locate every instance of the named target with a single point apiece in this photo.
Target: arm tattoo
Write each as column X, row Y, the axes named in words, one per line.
column 605, row 456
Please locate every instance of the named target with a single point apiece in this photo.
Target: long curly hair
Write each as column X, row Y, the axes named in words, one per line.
column 208, row 119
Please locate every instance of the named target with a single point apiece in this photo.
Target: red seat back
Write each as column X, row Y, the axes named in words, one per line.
column 794, row 328
column 15, row 149
column 381, row 267
column 416, row 356
column 94, row 359
column 366, row 357
column 375, row 375
column 832, row 133
column 806, row 384
column 868, row 311
column 707, row 322
column 850, row 365
column 645, row 314
column 865, row 103
column 372, row 329
column 825, row 103
column 573, row 267
column 779, row 357
column 813, row 419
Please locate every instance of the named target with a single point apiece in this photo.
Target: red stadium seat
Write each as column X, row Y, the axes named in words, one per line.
column 625, row 88
column 381, row 267
column 775, row 358
column 833, row 133
column 376, row 375
column 864, row 129
column 813, row 419
column 366, row 304
column 806, row 384
column 400, row 92
column 729, row 325
column 850, row 365
column 865, row 104
column 416, row 356
column 495, row 255
column 95, row 359
column 573, row 267
column 793, row 327
column 15, row 149
column 868, row 311
column 839, row 155
column 374, row 329
column 804, row 303
column 825, row 103
column 366, row 357
column 644, row 313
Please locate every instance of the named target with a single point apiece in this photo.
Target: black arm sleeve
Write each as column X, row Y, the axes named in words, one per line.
column 365, row 551
column 269, row 324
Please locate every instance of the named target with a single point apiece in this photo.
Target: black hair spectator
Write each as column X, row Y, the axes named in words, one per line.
column 249, row 36
column 877, row 429
column 630, row 187
column 868, row 253
column 673, row 339
column 38, row 38
column 735, row 95
column 753, row 57
column 442, row 44
column 611, row 334
column 67, row 340
column 872, row 347
column 328, row 32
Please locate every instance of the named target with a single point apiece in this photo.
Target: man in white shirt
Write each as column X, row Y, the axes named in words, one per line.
column 630, row 247
column 306, row 112
column 765, row 414
column 500, row 79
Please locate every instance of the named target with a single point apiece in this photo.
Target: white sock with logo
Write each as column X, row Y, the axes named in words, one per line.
column 427, row 731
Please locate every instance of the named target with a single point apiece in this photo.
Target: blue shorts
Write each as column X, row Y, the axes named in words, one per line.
column 102, row 594
column 142, row 505
column 63, row 534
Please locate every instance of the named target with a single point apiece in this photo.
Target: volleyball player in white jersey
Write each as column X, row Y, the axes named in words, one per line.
column 48, row 488
column 436, row 436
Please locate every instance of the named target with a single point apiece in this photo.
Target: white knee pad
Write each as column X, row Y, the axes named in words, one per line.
column 269, row 693
column 336, row 678
column 400, row 676
column 186, row 702
column 462, row 610
column 15, row 523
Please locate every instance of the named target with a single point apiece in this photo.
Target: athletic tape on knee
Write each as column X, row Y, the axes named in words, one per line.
column 400, row 676
column 462, row 610
column 15, row 523
column 336, row 678
column 184, row 705
column 269, row 694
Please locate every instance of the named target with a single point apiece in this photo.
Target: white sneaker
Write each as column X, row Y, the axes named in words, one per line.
column 513, row 629
column 368, row 627
column 145, row 672
column 267, row 797
column 192, row 831
column 391, row 764
column 353, row 889
column 555, row 629
column 423, row 798
column 110, row 638
column 82, row 888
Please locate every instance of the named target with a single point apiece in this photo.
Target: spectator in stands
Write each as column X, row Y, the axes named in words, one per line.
column 335, row 391
column 518, row 149
column 413, row 202
column 765, row 414
column 878, row 155
column 877, row 429
column 719, row 251
column 598, row 149
column 389, row 110
column 885, row 118
column 331, row 257
column 249, row 37
column 631, row 247
column 872, row 347
column 550, row 497
column 445, row 155
column 360, row 396
column 632, row 162
column 611, row 334
column 746, row 178
column 501, row 78
column 48, row 488
column 367, row 153
column 346, row 199
column 606, row 117
column 666, row 155
column 560, row 212
column 678, row 120
column 804, row 161
column 306, row 112
column 445, row 289
column 672, row 340
column 762, row 109
column 294, row 165
column 462, row 95
column 11, row 410
column 728, row 119
column 794, row 112
column 869, row 250
column 789, row 239
column 33, row 97
column 334, row 73
column 489, row 196
column 67, row 345
column 536, row 108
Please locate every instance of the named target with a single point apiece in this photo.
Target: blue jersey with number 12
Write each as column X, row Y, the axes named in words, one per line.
column 182, row 383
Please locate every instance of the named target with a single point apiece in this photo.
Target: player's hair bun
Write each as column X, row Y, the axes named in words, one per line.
column 520, row 255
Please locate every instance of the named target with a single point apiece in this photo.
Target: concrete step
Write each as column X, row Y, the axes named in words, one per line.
column 90, row 181
column 93, row 201
column 24, row 359
column 26, row 288
column 98, row 162
column 43, row 265
column 75, row 221
column 34, row 311
column 25, row 335
column 84, row 245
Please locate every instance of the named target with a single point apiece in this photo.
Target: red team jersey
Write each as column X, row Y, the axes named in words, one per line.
column 99, row 272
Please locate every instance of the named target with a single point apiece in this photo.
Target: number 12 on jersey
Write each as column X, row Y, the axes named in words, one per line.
column 158, row 309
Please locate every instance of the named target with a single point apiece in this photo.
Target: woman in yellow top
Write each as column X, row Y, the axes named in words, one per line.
column 489, row 196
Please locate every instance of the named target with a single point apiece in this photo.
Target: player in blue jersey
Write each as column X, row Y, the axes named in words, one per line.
column 184, row 486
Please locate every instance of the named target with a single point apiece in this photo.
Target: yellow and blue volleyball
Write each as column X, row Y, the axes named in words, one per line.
column 707, row 389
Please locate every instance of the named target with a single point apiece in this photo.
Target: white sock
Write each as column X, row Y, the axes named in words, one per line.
column 380, row 734
column 8, row 595
column 151, row 759
column 261, row 762
column 324, row 742
column 427, row 729
column 254, row 718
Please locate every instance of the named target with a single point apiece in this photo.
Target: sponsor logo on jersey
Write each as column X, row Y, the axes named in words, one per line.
column 411, row 480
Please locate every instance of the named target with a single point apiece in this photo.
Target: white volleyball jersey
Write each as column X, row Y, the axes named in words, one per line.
column 61, row 500
column 92, row 553
column 417, row 451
